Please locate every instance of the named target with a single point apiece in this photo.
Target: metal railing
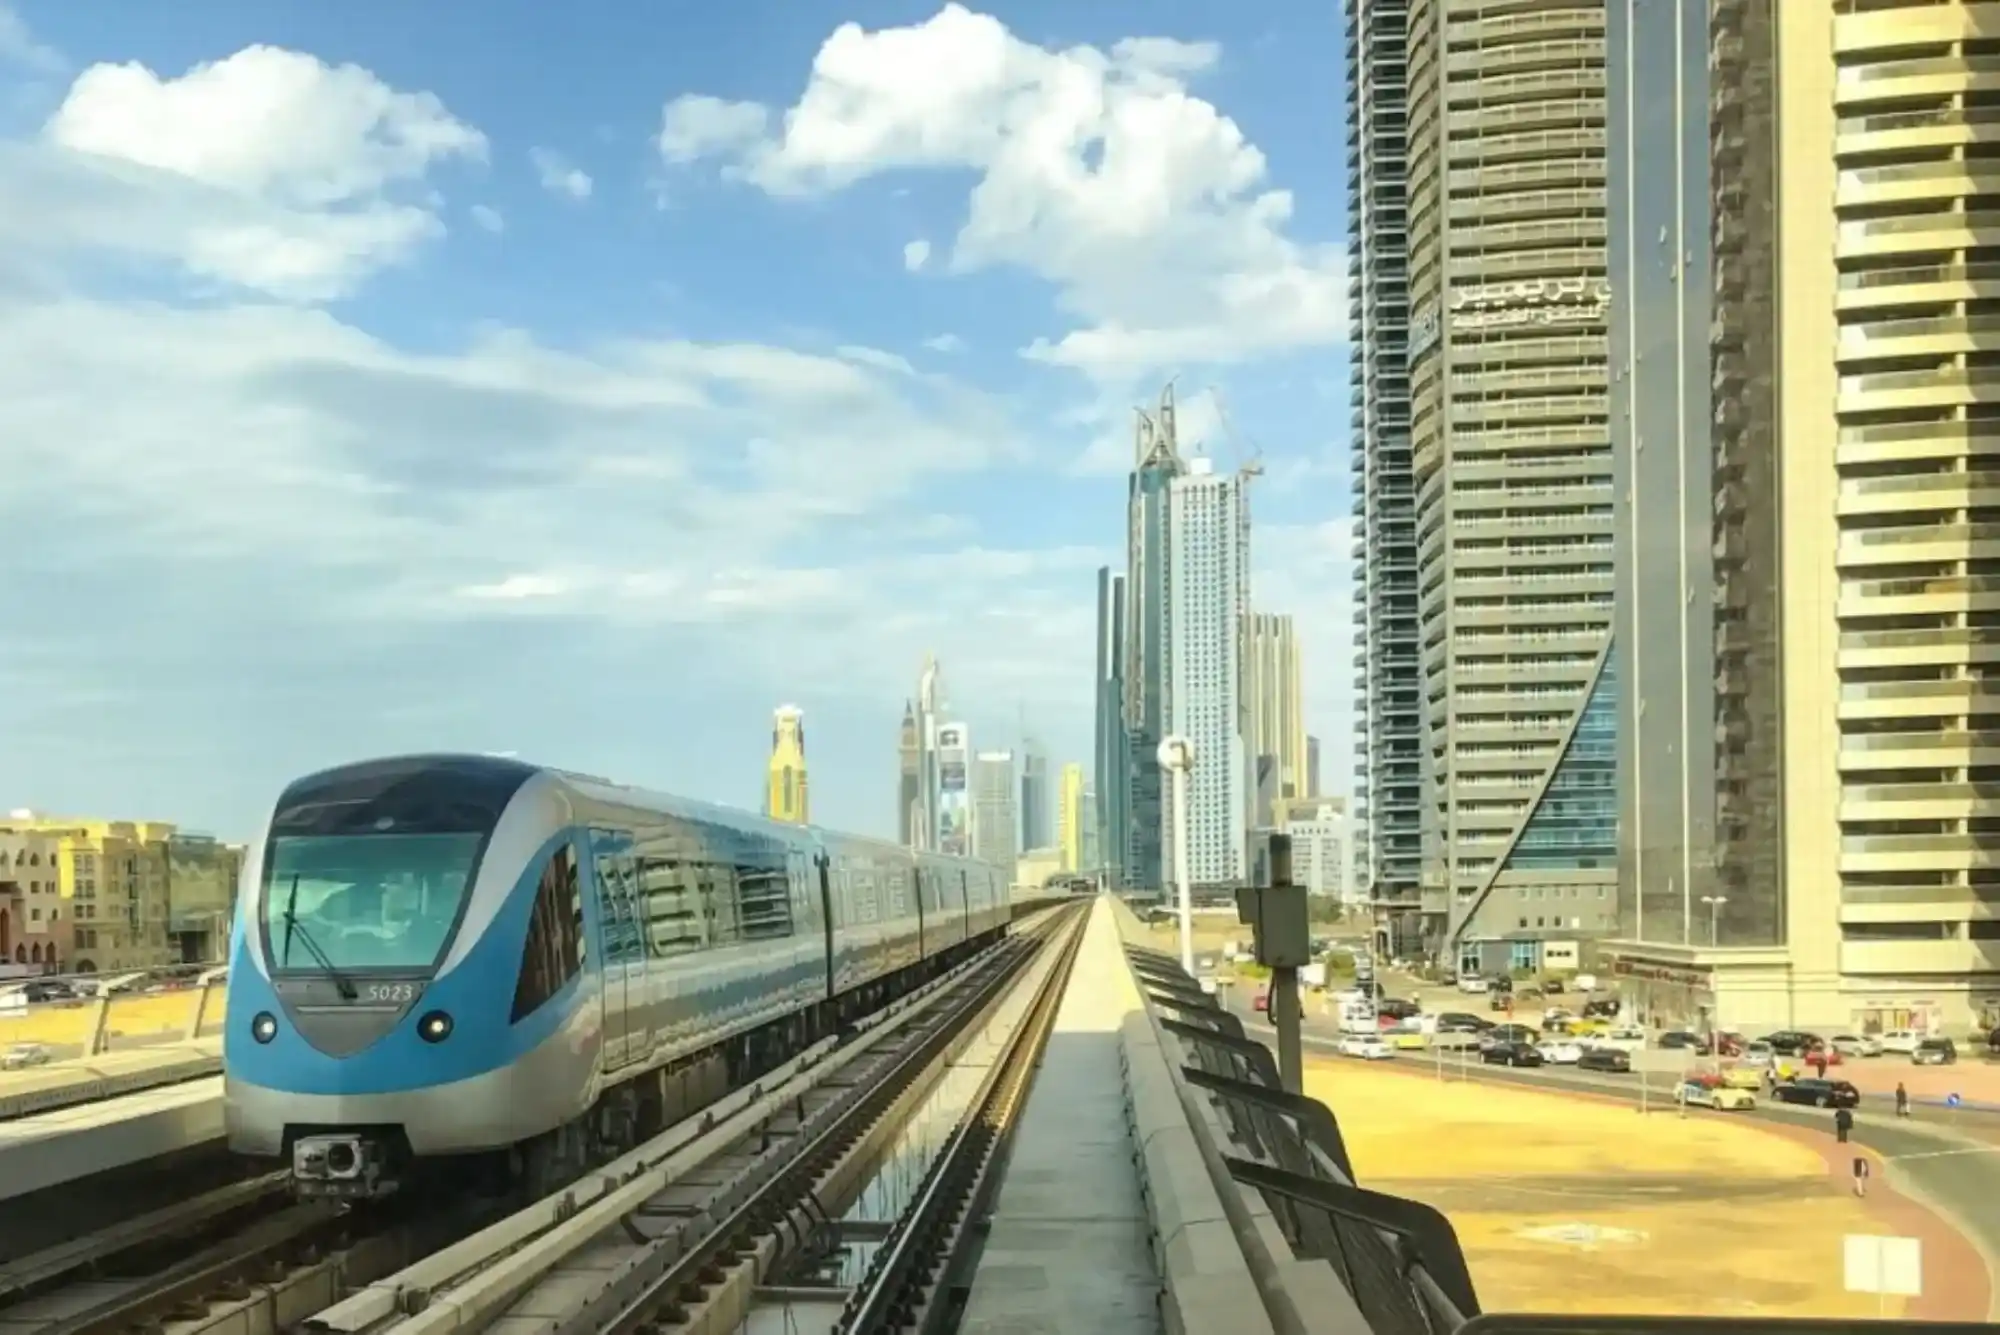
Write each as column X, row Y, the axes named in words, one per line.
column 1400, row 1260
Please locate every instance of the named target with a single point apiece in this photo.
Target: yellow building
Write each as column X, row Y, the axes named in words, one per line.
column 97, row 896
column 1071, row 814
column 785, row 794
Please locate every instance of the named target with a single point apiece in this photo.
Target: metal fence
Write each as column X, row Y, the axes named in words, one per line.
column 1399, row 1259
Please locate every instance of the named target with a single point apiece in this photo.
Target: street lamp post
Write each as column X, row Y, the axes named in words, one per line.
column 1715, row 903
column 1176, row 757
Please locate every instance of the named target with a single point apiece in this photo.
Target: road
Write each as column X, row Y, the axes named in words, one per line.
column 1955, row 1174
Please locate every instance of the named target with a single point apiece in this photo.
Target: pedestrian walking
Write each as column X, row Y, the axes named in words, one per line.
column 1902, row 1100
column 1843, row 1122
column 1860, row 1175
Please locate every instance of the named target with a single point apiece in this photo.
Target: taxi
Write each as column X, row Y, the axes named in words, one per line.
column 1711, row 1092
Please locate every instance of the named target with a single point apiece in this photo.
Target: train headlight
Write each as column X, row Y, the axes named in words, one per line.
column 264, row 1027
column 434, row 1027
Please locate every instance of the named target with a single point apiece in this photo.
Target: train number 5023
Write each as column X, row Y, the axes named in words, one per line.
column 390, row 992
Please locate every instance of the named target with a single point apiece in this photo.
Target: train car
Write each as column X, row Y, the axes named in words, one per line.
column 473, row 960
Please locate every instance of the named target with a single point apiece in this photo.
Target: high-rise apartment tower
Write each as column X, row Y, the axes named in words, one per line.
column 1511, row 450
column 996, row 820
column 1208, row 596
column 1389, row 688
column 1857, row 502
column 1274, row 703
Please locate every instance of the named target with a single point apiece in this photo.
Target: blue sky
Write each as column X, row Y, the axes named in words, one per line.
column 378, row 378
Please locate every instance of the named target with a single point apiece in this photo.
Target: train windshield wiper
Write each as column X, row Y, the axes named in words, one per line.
column 341, row 982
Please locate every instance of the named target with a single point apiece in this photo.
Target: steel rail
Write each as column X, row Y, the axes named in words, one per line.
column 927, row 1244
column 660, row 1300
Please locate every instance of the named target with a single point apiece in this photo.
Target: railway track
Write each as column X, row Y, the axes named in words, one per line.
column 245, row 1258
column 684, row 1241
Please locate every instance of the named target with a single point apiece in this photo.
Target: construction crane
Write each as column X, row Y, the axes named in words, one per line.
column 1253, row 458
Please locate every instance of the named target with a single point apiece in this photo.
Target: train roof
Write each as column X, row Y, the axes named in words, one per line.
column 494, row 775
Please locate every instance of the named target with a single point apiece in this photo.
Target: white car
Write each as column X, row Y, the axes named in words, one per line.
column 1857, row 1045
column 1561, row 1052
column 1625, row 1040
column 21, row 1056
column 1368, row 1047
column 1472, row 983
column 1722, row 1098
column 1902, row 1042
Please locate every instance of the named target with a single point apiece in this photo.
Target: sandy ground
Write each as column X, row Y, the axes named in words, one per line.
column 1566, row 1204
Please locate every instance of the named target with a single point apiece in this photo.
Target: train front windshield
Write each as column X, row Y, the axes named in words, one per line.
column 364, row 902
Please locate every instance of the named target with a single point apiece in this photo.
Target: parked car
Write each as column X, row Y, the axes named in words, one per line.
column 1856, row 1045
column 1560, row 1051
column 1935, row 1052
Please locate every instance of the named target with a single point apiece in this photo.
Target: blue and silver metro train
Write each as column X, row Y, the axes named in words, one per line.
column 446, row 956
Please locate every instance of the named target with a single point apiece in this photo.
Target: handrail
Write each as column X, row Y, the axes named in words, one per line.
column 1399, row 1260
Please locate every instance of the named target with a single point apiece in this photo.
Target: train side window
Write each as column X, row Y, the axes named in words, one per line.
column 670, row 906
column 554, row 950
column 763, row 891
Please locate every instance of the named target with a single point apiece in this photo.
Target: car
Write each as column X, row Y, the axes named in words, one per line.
column 1717, row 1095
column 1627, row 1040
column 1676, row 1040
column 1743, row 1077
column 20, row 1056
column 1607, row 1060
column 1473, row 983
column 1819, row 1093
column 1510, row 1054
column 1856, row 1045
column 1902, row 1042
column 449, row 964
column 1368, row 1047
column 1935, row 1052
column 1560, row 1051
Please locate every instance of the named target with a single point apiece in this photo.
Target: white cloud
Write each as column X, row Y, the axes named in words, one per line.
column 694, row 127
column 945, row 343
column 916, row 254
column 268, row 170
column 19, row 47
column 1098, row 170
column 558, row 177
column 488, row 218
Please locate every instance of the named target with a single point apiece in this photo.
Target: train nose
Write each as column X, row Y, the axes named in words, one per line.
column 345, row 1164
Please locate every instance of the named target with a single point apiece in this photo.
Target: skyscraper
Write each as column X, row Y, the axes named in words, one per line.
column 1855, row 504
column 785, row 787
column 995, row 817
column 1512, row 459
column 1035, row 805
column 952, row 755
column 1070, row 816
column 1113, row 758
column 1656, row 59
column 1389, row 689
column 1208, row 587
column 909, row 779
column 1148, row 633
column 1312, row 767
column 1273, row 703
